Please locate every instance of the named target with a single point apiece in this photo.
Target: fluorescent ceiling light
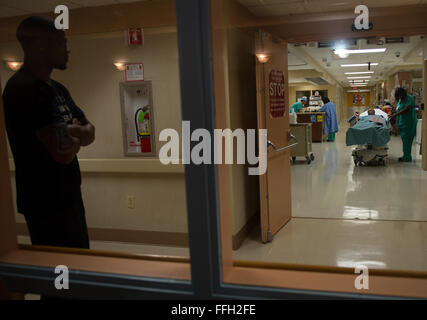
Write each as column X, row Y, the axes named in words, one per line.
column 364, row 77
column 358, row 81
column 358, row 65
column 360, row 72
column 359, row 90
column 347, row 52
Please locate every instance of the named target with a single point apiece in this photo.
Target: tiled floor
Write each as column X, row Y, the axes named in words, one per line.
column 132, row 248
column 394, row 245
column 345, row 215
column 332, row 187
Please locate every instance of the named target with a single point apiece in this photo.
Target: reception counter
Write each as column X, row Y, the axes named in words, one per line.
column 317, row 121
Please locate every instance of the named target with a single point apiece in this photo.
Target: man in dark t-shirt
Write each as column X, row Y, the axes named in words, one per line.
column 46, row 130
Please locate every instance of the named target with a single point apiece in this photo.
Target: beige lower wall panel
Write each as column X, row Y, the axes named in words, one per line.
column 160, row 202
column 245, row 197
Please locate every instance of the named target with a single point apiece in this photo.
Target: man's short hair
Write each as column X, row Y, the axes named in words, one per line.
column 32, row 28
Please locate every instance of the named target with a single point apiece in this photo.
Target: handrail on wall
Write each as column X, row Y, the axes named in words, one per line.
column 123, row 166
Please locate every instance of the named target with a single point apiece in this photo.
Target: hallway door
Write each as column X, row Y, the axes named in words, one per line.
column 273, row 115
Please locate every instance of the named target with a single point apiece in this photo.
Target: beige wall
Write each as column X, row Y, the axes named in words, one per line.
column 390, row 86
column 243, row 114
column 332, row 91
column 93, row 81
column 340, row 106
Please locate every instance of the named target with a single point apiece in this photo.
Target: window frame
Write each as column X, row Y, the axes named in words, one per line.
column 210, row 263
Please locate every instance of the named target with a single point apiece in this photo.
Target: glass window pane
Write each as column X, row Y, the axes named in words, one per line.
column 121, row 74
column 329, row 202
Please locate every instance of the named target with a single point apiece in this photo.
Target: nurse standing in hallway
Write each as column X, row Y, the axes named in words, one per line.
column 330, row 123
column 406, row 121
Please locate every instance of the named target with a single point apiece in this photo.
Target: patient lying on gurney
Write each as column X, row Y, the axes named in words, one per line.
column 370, row 127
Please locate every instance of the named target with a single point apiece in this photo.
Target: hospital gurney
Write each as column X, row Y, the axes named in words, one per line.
column 369, row 156
column 371, row 134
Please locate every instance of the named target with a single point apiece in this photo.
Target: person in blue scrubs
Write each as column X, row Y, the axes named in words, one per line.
column 406, row 121
column 330, row 122
column 297, row 106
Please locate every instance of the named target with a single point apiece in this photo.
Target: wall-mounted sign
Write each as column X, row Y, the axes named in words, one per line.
column 134, row 72
column 361, row 23
column 135, row 36
column 277, row 93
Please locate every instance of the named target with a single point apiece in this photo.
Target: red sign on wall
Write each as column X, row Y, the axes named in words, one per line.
column 277, row 93
column 135, row 36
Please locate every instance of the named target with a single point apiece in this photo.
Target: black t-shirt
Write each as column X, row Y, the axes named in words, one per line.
column 31, row 104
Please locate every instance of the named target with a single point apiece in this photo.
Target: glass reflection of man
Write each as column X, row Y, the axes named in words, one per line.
column 46, row 130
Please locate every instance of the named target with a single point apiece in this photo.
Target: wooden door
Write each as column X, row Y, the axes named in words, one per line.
column 273, row 115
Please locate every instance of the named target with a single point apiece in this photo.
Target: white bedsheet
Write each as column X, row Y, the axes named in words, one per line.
column 378, row 112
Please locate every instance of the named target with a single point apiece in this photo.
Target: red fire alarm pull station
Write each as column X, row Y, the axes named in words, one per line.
column 135, row 36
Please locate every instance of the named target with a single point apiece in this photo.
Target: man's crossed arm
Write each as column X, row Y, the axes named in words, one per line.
column 63, row 142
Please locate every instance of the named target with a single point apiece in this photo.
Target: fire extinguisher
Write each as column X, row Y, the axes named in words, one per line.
column 143, row 129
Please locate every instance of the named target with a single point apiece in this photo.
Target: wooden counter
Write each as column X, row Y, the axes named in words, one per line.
column 317, row 122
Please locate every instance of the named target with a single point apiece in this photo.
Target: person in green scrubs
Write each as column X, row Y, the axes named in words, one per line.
column 297, row 106
column 406, row 121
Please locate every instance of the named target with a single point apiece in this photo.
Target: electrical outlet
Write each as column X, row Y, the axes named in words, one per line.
column 131, row 202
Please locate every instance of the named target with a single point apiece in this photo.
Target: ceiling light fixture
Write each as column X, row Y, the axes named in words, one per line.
column 358, row 65
column 360, row 72
column 347, row 52
column 364, row 77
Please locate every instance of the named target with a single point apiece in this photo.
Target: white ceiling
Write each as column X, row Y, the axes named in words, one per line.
column 10, row 8
column 284, row 7
column 327, row 61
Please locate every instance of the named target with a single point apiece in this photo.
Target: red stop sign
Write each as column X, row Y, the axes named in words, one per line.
column 276, row 89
